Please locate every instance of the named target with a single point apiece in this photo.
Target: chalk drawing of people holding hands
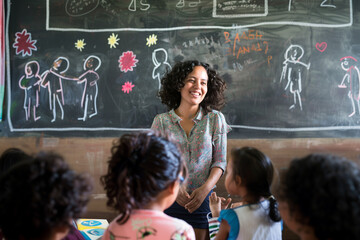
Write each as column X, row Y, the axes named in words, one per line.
column 351, row 80
column 292, row 72
column 30, row 82
column 52, row 79
column 90, row 93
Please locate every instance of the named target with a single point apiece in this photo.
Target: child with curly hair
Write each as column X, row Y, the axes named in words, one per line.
column 39, row 198
column 11, row 157
column 249, row 174
column 319, row 197
column 143, row 179
column 194, row 95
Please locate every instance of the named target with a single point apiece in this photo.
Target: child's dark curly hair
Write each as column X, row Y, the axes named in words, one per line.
column 173, row 82
column 141, row 166
column 323, row 191
column 11, row 157
column 39, row 195
column 256, row 172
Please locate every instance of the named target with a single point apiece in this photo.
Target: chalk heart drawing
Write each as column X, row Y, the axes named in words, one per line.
column 321, row 46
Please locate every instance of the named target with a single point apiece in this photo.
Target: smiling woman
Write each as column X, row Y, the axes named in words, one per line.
column 194, row 94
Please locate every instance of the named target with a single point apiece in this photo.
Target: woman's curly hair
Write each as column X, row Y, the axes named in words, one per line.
column 141, row 166
column 173, row 82
column 323, row 191
column 39, row 195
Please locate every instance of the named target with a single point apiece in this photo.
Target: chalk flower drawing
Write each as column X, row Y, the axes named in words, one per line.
column 113, row 40
column 127, row 61
column 151, row 40
column 127, row 87
column 24, row 44
column 80, row 44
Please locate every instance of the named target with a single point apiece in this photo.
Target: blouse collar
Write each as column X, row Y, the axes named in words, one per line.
column 197, row 118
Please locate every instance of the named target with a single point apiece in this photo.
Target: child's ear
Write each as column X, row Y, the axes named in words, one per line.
column 172, row 188
column 61, row 232
column 238, row 180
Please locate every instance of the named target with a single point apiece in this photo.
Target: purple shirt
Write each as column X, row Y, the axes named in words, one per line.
column 205, row 147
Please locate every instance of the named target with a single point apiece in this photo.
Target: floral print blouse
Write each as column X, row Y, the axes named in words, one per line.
column 205, row 147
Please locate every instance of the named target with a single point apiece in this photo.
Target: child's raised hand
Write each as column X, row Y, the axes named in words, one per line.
column 225, row 203
column 217, row 204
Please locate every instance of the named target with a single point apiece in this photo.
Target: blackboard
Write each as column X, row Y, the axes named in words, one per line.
column 282, row 61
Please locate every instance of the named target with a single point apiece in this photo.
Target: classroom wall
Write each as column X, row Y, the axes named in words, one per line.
column 90, row 155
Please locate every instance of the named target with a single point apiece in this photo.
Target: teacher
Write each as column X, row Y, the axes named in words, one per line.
column 194, row 94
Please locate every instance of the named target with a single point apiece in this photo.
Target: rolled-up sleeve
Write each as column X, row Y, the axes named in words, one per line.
column 221, row 128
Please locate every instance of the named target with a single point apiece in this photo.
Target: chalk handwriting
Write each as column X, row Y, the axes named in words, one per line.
column 244, row 9
column 200, row 41
column 143, row 5
column 325, row 4
column 76, row 8
column 181, row 3
column 244, row 43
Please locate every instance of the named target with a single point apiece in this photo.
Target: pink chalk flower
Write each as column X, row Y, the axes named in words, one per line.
column 127, row 61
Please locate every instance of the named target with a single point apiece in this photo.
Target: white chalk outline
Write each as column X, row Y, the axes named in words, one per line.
column 305, row 24
column 82, row 14
column 215, row 15
column 12, row 129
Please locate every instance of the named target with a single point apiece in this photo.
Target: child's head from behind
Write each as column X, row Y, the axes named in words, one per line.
column 253, row 170
column 320, row 195
column 39, row 198
column 249, row 175
column 11, row 157
column 142, row 165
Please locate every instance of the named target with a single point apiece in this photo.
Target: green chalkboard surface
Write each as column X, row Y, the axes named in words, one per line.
column 292, row 67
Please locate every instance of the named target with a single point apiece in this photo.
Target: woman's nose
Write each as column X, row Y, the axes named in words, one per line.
column 197, row 84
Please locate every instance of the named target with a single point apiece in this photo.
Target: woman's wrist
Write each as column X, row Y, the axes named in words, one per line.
column 207, row 187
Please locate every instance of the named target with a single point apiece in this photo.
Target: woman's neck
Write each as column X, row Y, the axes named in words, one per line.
column 187, row 112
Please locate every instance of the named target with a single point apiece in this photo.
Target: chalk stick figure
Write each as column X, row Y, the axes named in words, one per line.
column 160, row 60
column 351, row 80
column 292, row 72
column 90, row 93
column 30, row 82
column 52, row 79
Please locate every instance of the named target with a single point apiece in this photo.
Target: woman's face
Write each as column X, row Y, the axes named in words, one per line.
column 195, row 87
